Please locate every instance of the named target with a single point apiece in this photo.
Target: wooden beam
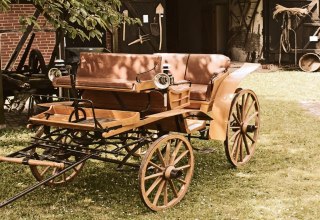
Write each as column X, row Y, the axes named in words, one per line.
column 2, row 121
column 21, row 43
column 115, row 40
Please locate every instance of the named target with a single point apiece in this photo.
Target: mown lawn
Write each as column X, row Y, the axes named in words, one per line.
column 281, row 182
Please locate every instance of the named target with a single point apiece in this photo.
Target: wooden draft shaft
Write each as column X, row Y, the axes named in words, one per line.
column 31, row 162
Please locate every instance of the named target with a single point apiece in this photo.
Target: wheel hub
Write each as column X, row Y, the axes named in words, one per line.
column 244, row 127
column 172, row 173
column 251, row 128
column 247, row 128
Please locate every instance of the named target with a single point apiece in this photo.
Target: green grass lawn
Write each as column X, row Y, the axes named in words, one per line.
column 282, row 181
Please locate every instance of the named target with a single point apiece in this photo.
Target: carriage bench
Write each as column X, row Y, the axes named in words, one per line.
column 103, row 74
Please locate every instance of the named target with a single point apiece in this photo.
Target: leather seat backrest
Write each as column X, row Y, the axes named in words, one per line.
column 178, row 64
column 201, row 67
column 118, row 66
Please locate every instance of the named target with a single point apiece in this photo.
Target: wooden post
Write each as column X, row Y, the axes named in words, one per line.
column 115, row 40
column 318, row 9
column 2, row 121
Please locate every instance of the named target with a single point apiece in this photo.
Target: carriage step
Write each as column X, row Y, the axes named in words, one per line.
column 26, row 161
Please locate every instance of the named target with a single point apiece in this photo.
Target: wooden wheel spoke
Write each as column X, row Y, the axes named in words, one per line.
column 235, row 134
column 183, row 167
column 251, row 139
column 156, row 166
column 241, row 150
column 54, row 170
column 168, row 150
column 153, row 186
column 161, row 157
column 237, row 119
column 181, row 181
column 173, row 188
column 249, row 109
column 238, row 149
column 251, row 117
column 235, row 145
column 156, row 198
column 246, row 104
column 153, row 176
column 246, row 144
column 175, row 152
column 165, row 193
column 44, row 171
column 243, row 98
column 181, row 156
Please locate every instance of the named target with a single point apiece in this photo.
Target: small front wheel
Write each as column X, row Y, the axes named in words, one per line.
column 62, row 137
column 166, row 172
column 243, row 128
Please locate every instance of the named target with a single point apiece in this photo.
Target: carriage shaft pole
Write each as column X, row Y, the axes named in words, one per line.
column 31, row 162
column 37, row 185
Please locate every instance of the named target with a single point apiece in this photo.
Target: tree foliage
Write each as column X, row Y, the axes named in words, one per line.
column 83, row 18
column 4, row 5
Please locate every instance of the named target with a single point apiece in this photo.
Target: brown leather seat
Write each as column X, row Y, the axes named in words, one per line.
column 120, row 71
column 63, row 81
column 199, row 92
column 200, row 70
column 118, row 66
column 104, row 83
column 113, row 70
column 178, row 64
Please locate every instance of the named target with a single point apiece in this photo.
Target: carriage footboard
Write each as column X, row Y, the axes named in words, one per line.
column 84, row 116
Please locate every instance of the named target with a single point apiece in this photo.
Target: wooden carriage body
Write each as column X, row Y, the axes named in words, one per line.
column 131, row 110
column 125, row 82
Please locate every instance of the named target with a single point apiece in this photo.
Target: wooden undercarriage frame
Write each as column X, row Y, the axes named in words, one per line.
column 71, row 131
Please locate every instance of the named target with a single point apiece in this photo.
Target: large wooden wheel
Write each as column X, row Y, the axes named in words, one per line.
column 166, row 171
column 243, row 128
column 44, row 172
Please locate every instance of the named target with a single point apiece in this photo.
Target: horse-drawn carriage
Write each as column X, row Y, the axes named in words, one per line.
column 141, row 111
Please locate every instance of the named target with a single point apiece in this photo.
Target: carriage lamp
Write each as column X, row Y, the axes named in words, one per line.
column 165, row 79
column 54, row 73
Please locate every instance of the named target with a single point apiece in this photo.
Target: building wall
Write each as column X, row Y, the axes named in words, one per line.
column 44, row 41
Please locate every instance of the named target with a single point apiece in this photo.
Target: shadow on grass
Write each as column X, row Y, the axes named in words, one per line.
column 217, row 190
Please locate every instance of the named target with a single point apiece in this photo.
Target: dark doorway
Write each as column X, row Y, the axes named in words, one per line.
column 197, row 26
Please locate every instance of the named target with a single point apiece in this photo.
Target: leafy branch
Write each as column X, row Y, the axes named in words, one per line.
column 83, row 18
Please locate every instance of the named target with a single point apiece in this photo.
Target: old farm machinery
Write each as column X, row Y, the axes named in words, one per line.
column 141, row 111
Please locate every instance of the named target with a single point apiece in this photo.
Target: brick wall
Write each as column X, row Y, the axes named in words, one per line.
column 44, row 41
